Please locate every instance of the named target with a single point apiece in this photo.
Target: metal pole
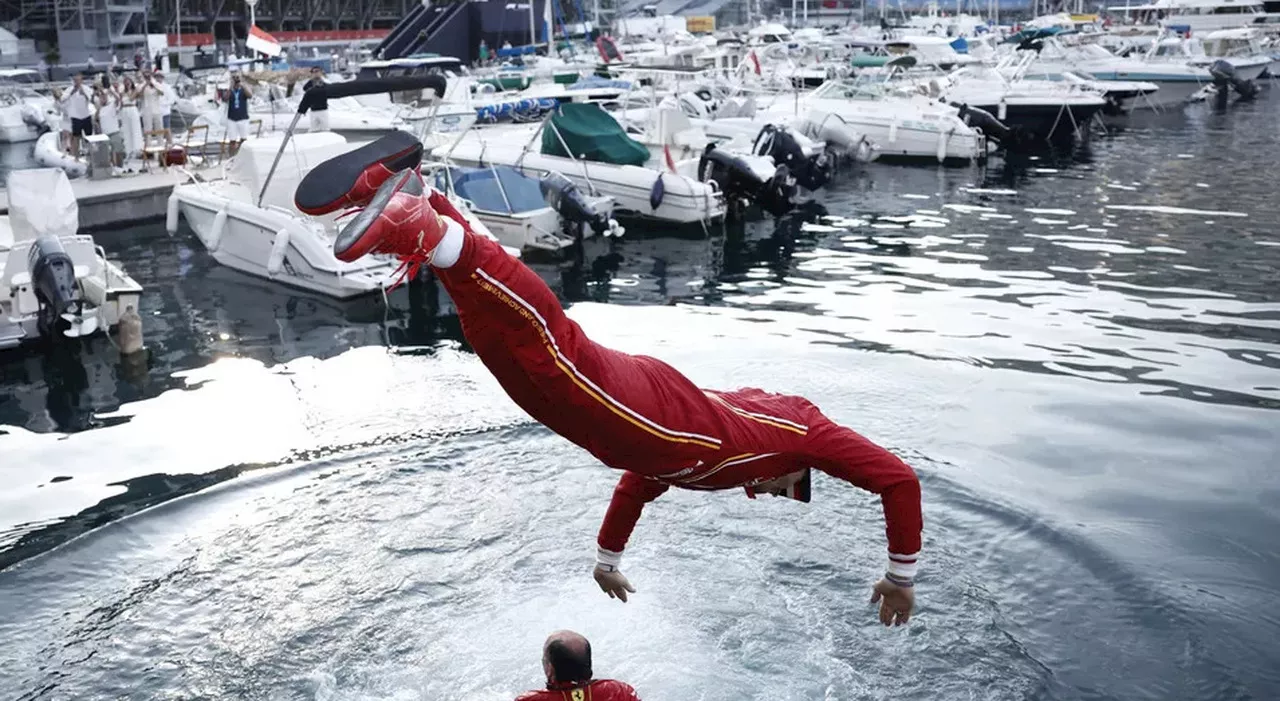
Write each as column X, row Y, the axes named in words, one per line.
column 533, row 24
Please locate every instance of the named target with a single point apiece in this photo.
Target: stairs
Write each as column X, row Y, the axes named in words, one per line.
column 417, row 29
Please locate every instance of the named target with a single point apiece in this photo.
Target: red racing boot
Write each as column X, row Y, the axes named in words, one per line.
column 398, row 220
column 350, row 179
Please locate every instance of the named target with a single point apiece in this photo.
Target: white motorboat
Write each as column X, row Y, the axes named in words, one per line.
column 604, row 161
column 250, row 219
column 547, row 214
column 902, row 126
column 56, row 282
column 1176, row 83
column 1238, row 48
column 1034, row 109
column 270, row 238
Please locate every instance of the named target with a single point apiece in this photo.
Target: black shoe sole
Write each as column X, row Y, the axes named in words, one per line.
column 325, row 188
column 356, row 228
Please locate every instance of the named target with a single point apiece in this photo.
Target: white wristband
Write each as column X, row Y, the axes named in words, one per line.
column 608, row 557
column 903, row 565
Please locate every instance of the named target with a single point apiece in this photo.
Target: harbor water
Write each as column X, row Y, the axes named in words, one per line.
column 295, row 498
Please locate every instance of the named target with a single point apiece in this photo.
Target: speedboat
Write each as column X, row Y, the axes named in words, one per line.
column 254, row 219
column 901, row 125
column 522, row 212
column 583, row 143
column 1034, row 109
column 57, row 283
column 1175, row 83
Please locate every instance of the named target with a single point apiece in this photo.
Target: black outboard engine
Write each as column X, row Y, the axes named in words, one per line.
column 564, row 197
column 53, row 277
column 785, row 150
column 987, row 122
column 1225, row 78
column 739, row 182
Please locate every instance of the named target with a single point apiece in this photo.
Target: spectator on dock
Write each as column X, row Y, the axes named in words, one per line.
column 151, row 104
column 319, row 113
column 566, row 660
column 237, row 99
column 108, row 102
column 76, row 107
column 130, row 118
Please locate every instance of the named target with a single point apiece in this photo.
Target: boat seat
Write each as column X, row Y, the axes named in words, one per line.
column 325, row 188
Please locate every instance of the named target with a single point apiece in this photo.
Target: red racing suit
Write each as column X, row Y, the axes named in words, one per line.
column 638, row 414
column 597, row 690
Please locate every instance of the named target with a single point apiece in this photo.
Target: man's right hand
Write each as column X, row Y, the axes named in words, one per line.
column 613, row 583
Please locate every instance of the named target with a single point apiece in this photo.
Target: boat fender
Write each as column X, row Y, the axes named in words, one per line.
column 655, row 195
column 893, row 130
column 1003, row 112
column 171, row 214
column 275, row 260
column 215, row 234
column 942, row 145
column 129, row 332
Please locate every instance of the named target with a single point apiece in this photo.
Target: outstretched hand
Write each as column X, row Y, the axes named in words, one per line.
column 895, row 602
column 613, row 583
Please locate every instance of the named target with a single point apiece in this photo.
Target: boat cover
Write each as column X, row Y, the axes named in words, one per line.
column 592, row 134
column 480, row 187
column 41, row 203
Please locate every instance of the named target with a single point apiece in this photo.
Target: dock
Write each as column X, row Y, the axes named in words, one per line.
column 120, row 201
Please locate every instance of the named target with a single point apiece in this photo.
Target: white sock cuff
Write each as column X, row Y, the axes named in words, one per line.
column 450, row 247
column 903, row 565
column 608, row 557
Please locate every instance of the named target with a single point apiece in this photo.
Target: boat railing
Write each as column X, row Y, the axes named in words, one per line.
column 107, row 274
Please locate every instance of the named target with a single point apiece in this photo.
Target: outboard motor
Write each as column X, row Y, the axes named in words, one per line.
column 564, row 197
column 53, row 277
column 785, row 150
column 1225, row 78
column 987, row 122
column 738, row 181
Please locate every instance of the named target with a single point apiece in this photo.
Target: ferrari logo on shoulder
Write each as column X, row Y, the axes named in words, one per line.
column 578, row 695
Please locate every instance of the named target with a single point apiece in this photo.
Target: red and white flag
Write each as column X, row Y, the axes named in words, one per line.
column 262, row 42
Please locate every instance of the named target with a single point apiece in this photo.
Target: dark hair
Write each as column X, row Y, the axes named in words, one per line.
column 568, row 663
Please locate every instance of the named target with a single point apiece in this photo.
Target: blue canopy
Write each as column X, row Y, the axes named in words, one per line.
column 480, row 186
column 509, row 51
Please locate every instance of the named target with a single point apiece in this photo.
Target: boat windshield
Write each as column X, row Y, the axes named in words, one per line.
column 517, row 192
column 847, row 90
column 1230, row 47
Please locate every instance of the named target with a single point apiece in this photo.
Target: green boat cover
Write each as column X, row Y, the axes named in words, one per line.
column 592, row 134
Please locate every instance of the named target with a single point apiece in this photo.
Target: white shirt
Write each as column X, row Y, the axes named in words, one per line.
column 153, row 99
column 76, row 102
column 109, row 117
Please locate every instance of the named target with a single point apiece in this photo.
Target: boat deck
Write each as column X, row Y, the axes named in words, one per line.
column 116, row 202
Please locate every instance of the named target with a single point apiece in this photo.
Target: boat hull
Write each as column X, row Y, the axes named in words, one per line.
column 684, row 200
column 246, row 235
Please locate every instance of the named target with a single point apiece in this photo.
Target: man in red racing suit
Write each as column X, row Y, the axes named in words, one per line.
column 566, row 660
column 632, row 412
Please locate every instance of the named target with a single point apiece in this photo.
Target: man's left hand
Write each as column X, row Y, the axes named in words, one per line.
column 895, row 602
